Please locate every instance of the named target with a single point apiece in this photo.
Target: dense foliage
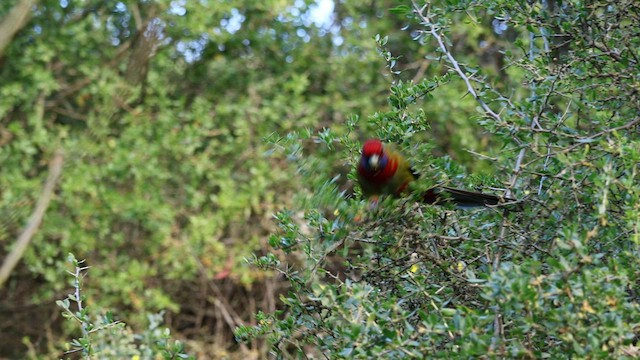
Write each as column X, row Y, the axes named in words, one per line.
column 160, row 110
column 186, row 125
column 554, row 276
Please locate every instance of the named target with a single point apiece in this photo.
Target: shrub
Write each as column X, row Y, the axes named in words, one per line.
column 555, row 277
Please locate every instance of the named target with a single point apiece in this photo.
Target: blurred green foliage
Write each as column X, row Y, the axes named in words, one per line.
column 161, row 109
column 200, row 133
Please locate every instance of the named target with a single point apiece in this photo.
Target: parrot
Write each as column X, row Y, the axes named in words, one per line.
column 384, row 171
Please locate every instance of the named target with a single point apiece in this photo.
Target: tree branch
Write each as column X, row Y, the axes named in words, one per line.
column 15, row 20
column 55, row 168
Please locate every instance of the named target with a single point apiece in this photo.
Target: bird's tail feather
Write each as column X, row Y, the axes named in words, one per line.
column 462, row 198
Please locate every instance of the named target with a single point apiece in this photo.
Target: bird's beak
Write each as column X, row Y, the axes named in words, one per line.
column 374, row 161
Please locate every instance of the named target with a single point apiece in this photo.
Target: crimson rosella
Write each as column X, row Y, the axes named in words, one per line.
column 384, row 171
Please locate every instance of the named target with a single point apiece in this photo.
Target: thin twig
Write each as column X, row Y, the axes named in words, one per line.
column 76, row 285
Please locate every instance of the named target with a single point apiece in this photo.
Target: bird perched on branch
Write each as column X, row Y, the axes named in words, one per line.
column 384, row 171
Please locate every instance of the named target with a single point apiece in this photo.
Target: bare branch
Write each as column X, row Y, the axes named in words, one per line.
column 55, row 168
column 15, row 20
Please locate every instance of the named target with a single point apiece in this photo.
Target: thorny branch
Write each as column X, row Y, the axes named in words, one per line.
column 433, row 30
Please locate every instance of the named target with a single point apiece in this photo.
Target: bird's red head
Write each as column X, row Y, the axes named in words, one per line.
column 373, row 159
column 372, row 147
